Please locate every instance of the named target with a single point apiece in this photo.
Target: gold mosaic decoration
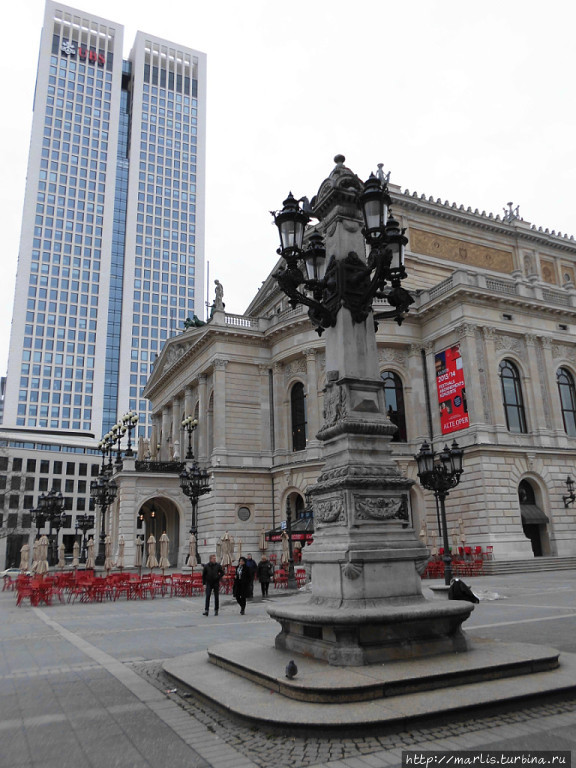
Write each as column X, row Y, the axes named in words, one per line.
column 461, row 251
column 548, row 272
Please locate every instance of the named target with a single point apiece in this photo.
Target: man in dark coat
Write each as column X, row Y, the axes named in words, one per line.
column 252, row 568
column 242, row 582
column 211, row 575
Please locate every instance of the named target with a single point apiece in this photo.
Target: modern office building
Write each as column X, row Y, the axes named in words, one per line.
column 111, row 258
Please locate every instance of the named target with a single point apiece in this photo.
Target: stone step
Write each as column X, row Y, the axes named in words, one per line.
column 533, row 565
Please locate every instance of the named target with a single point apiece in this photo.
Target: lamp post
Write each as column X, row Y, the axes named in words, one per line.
column 84, row 523
column 129, row 421
column 440, row 474
column 291, row 577
column 51, row 506
column 103, row 490
column 189, row 423
column 39, row 519
column 105, row 446
column 194, row 483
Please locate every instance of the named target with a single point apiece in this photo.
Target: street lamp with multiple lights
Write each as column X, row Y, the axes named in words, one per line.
column 440, row 473
column 189, row 424
column 84, row 523
column 103, row 490
column 194, row 483
column 51, row 507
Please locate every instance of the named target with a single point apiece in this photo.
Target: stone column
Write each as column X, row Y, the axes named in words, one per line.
column 189, row 401
column 220, row 405
column 538, row 414
column 281, row 436
column 313, row 415
column 265, row 415
column 557, row 422
column 493, row 379
column 415, row 408
column 177, row 429
column 202, row 429
column 471, row 369
column 166, row 434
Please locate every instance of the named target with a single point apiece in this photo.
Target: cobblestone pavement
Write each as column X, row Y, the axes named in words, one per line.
column 83, row 685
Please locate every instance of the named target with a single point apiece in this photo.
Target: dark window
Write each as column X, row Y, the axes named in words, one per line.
column 69, row 486
column 298, row 412
column 82, row 470
column 80, row 505
column 31, row 465
column 44, row 467
column 16, row 465
column 81, row 486
column 67, row 521
column 394, row 398
column 2, row 516
column 26, row 519
column 43, row 484
column 67, row 502
column 3, row 463
column 12, row 521
column 512, row 397
column 57, row 468
column 567, row 400
column 3, row 479
column 70, row 466
column 15, row 481
column 13, row 502
column 29, row 484
column 95, row 470
column 57, row 485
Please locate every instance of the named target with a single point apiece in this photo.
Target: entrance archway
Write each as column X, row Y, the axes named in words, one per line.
column 156, row 516
column 534, row 520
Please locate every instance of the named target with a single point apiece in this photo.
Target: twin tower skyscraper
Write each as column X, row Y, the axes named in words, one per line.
column 111, row 257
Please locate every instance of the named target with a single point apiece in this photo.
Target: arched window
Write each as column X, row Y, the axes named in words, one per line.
column 512, row 397
column 394, row 398
column 298, row 414
column 567, row 393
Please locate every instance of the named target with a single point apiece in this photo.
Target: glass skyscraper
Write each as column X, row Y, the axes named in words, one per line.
column 111, row 257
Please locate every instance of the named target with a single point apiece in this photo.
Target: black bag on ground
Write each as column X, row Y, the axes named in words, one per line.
column 460, row 591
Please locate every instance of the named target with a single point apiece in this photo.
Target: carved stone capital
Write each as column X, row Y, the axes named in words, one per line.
column 220, row 363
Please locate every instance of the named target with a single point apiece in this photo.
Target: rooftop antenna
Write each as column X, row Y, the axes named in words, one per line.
column 207, row 302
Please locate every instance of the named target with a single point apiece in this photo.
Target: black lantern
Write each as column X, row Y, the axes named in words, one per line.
column 396, row 243
column 315, row 257
column 291, row 221
column 440, row 475
column 51, row 509
column 571, row 497
column 374, row 201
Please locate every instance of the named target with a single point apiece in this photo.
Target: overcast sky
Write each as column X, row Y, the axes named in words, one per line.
column 467, row 101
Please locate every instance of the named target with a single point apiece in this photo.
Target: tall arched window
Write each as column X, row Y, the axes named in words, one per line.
column 512, row 397
column 567, row 393
column 298, row 414
column 394, row 398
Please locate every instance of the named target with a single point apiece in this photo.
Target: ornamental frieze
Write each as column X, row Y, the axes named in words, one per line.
column 329, row 510
column 380, row 508
column 461, row 251
column 293, row 367
column 335, row 405
column 510, row 344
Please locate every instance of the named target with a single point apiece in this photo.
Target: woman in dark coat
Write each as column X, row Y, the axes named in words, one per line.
column 265, row 574
column 242, row 581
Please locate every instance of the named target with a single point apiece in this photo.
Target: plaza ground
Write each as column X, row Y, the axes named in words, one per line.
column 82, row 685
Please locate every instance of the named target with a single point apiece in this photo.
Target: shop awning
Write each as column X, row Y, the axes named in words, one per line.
column 302, row 530
column 533, row 515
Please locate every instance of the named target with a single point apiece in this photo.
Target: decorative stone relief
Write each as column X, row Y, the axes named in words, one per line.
column 352, row 571
column 293, row 367
column 511, row 344
column 329, row 510
column 220, row 363
column 335, row 405
column 380, row 508
column 392, row 355
column 564, row 352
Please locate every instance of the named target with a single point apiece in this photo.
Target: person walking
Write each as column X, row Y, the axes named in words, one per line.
column 265, row 574
column 252, row 569
column 241, row 586
column 211, row 575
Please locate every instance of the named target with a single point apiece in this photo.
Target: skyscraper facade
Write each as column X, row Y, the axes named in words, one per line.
column 111, row 257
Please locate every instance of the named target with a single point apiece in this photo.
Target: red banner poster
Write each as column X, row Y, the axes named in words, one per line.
column 451, row 390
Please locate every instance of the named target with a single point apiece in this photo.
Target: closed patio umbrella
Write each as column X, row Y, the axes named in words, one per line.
column 24, row 557
column 35, row 546
column 192, row 561
column 108, row 554
column 138, row 553
column 120, row 555
column 263, row 544
column 75, row 555
column 424, row 534
column 164, row 545
column 61, row 557
column 227, row 544
column 90, row 554
column 239, row 548
column 42, row 565
column 285, row 548
column 151, row 562
column 462, row 534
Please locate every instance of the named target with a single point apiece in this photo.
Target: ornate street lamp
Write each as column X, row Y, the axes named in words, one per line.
column 291, row 577
column 351, row 281
column 194, row 483
column 39, row 519
column 103, row 490
column 440, row 474
column 51, row 506
column 571, row 497
column 189, row 423
column 129, row 422
column 105, row 446
column 84, row 523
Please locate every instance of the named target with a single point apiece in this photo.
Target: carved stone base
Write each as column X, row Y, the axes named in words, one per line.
column 370, row 632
